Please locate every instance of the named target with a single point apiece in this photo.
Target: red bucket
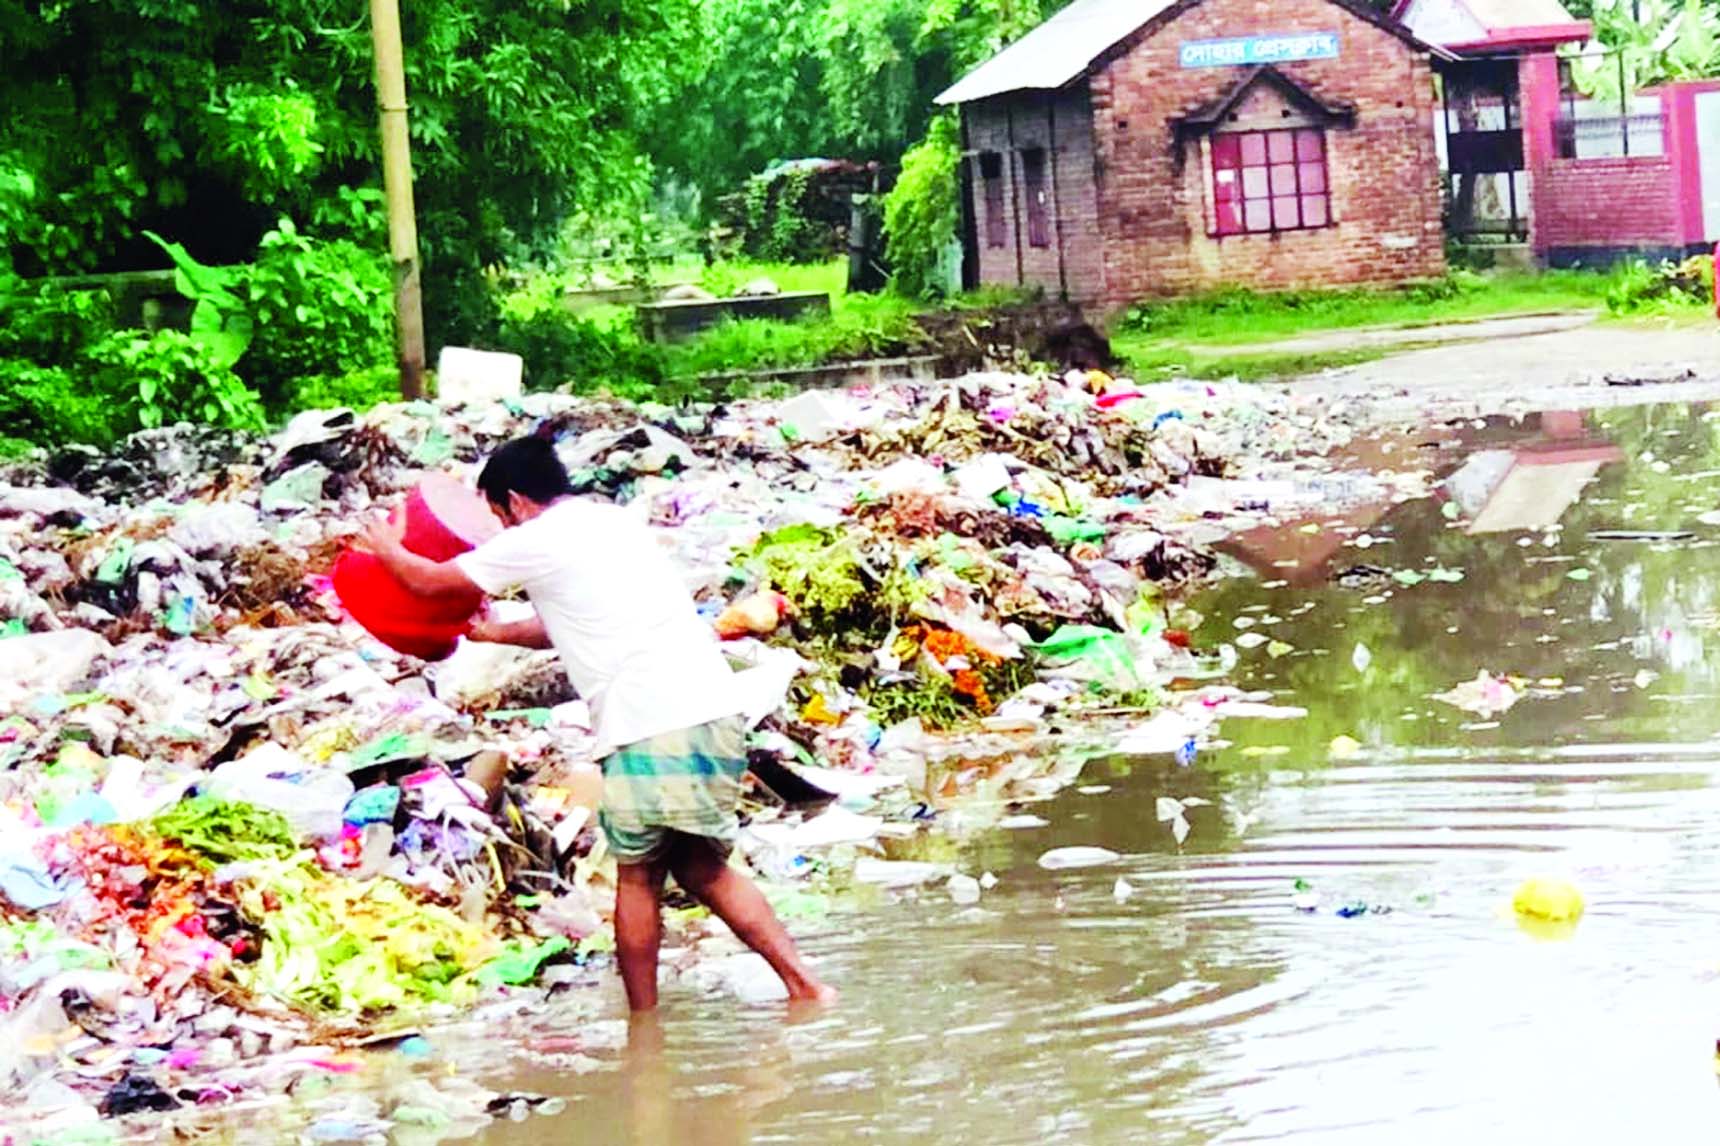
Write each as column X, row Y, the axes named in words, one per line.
column 443, row 520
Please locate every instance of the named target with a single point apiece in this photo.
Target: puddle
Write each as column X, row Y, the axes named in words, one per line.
column 1201, row 1005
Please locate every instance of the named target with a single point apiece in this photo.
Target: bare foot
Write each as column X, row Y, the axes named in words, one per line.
column 813, row 999
column 645, row 1036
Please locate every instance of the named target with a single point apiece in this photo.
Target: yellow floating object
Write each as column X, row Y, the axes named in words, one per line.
column 1345, row 748
column 1548, row 900
column 818, row 711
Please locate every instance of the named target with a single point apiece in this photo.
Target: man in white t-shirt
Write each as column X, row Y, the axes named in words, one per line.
column 668, row 707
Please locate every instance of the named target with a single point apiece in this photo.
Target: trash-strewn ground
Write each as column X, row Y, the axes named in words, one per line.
column 241, row 842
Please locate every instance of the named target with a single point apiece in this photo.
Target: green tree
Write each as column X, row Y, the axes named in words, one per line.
column 1658, row 40
column 787, row 79
column 922, row 210
column 753, row 98
column 206, row 122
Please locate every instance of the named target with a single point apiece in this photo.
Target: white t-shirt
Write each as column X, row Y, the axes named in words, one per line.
column 621, row 619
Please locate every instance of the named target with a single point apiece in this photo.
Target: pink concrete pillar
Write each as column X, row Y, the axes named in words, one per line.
column 1538, row 83
column 1684, row 148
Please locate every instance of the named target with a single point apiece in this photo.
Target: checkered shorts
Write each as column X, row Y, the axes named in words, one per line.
column 686, row 783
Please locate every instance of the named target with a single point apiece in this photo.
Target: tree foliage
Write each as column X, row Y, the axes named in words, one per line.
column 922, row 211
column 1656, row 41
column 206, row 122
column 856, row 79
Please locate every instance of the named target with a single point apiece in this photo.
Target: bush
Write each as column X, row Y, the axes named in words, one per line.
column 359, row 390
column 798, row 212
column 55, row 389
column 51, row 324
column 921, row 213
column 168, row 377
column 1636, row 286
column 44, row 334
column 864, row 326
column 586, row 355
column 46, row 405
column 1454, row 285
column 1470, row 256
column 320, row 309
column 309, row 324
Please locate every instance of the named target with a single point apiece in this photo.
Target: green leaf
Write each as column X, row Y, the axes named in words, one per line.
column 191, row 278
column 147, row 388
column 206, row 318
column 226, row 347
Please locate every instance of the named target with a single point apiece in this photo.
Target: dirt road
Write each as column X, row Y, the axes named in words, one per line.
column 1594, row 366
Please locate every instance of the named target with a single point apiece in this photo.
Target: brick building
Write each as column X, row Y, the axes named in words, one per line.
column 1133, row 148
column 1575, row 180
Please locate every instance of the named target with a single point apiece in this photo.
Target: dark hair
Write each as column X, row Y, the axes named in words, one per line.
column 528, row 467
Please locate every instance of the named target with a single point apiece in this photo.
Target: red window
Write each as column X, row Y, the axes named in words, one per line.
column 1266, row 181
column 1038, row 200
column 996, row 218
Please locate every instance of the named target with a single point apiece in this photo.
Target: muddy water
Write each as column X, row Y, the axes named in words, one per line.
column 1204, row 1007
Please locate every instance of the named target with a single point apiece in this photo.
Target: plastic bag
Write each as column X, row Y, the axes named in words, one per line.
column 217, row 530
column 313, row 800
column 1098, row 656
column 50, row 662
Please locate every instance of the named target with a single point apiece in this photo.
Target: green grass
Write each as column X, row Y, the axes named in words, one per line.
column 1227, row 334
column 1237, row 318
column 726, row 279
column 1145, row 360
column 859, row 326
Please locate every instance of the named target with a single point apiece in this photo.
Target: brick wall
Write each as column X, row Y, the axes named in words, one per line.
column 1061, row 125
column 1152, row 191
column 1607, row 203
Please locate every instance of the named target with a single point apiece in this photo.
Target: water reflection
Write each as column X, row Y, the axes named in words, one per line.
column 1533, row 483
column 1201, row 1006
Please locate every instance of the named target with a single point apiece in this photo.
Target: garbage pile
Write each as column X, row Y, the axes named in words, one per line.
column 238, row 836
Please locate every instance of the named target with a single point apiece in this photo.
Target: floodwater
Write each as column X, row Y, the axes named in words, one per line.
column 1205, row 1007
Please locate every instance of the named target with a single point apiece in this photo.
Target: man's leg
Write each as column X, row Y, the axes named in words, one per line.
column 639, row 929
column 704, row 874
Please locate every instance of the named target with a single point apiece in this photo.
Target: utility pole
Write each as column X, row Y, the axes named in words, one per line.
column 397, row 183
column 1626, row 104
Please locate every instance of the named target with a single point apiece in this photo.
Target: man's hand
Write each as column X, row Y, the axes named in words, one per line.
column 383, row 537
column 526, row 634
column 488, row 631
column 386, row 541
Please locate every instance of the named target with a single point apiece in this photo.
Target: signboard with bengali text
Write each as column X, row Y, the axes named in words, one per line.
column 1249, row 51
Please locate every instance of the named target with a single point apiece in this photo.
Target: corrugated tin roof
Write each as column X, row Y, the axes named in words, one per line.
column 1498, row 15
column 1472, row 22
column 1061, row 50
column 1058, row 51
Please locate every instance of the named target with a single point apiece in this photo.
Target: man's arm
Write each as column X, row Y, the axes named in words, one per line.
column 527, row 634
column 421, row 575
